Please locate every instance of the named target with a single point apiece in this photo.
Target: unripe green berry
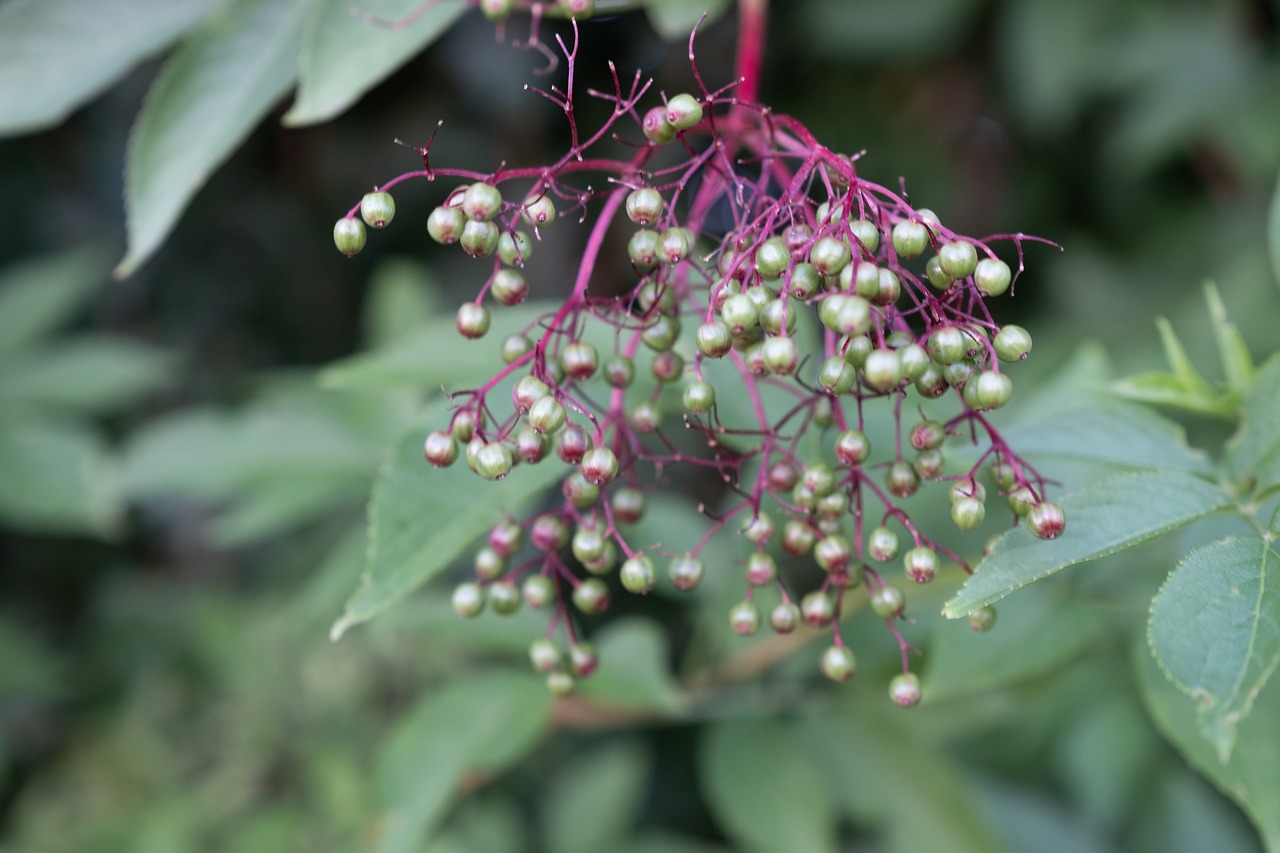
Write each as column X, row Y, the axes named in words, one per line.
column 661, row 333
column 544, row 654
column 445, row 224
column 784, row 618
column 992, row 276
column 587, row 545
column 904, row 689
column 931, row 383
column 559, row 682
column 935, row 275
column 504, row 598
column 1046, row 520
column 920, row 564
column 440, row 448
column 656, row 127
column 538, row 591
column 832, row 554
column 714, row 339
column 882, row 544
column 468, row 599
column 528, row 391
column 957, row 258
column 968, row 489
column 968, row 513
column 856, row 350
column 638, row 575
column 914, row 361
column 509, row 287
column 781, row 355
column 683, row 111
column 699, row 396
column 817, row 609
column 349, row 236
column 619, row 371
column 744, row 618
column 867, row 234
column 991, row 390
column 644, row 206
column 628, row 505
column 644, row 249
column 910, row 238
column 829, row 255
column 591, row 596
column 778, row 316
column 482, row 202
column 645, row 416
column 1012, row 343
column 494, row 461
column 881, row 371
column 805, row 281
column 377, row 209
column 772, row 258
column 489, row 564
column 761, row 569
column 599, row 465
column 852, row 447
column 579, row 359
column 901, row 479
column 928, row 464
column 677, row 243
column 888, row 602
column 538, row 210
column 667, row 366
column 947, row 345
column 514, row 248
column 797, row 537
column 982, row 619
column 496, row 10
column 479, row 238
column 838, row 663
column 837, row 375
column 740, row 313
column 685, row 572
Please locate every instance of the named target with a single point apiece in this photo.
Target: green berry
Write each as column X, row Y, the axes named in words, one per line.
column 544, row 654
column 504, row 598
column 1012, row 343
column 677, row 243
column 936, row 276
column 538, row 591
column 817, row 609
column 837, row 375
column 445, row 224
column 579, row 359
column 377, row 209
column 714, row 339
column 440, row 448
column 992, row 276
column 740, row 313
column 656, row 127
column 644, row 249
column 699, row 396
column 591, row 596
column 829, row 256
column 772, row 258
column 482, row 202
column 628, row 505
column 468, row 599
column 784, row 618
column 509, row 287
column 489, row 563
column 902, row 479
column 968, row 513
column 599, row 465
column 349, row 236
column 538, row 210
column 516, row 347
column 644, row 206
column 781, row 355
column 638, row 575
column 982, row 619
column 797, row 537
column 1046, row 520
column 514, row 248
column 852, row 447
column 904, row 689
column 838, row 663
column 867, row 234
column 761, row 569
column 494, row 461
column 920, row 564
column 882, row 544
column 645, row 416
column 685, row 572
column 991, row 390
column 619, row 371
column 744, row 618
column 888, row 602
column 559, row 682
column 882, row 371
column 479, row 238
column 910, row 238
column 957, row 258
column 683, row 111
column 805, row 281
column 832, row 554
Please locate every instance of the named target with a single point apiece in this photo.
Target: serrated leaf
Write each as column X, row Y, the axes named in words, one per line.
column 1253, row 453
column 94, row 42
column 422, row 518
column 762, row 790
column 1116, row 433
column 635, row 672
column 675, row 19
column 880, row 771
column 1215, row 629
column 1251, row 776
column 40, row 294
column 1037, row 631
column 57, row 479
column 1237, row 364
column 85, row 374
column 1273, row 232
column 1108, row 516
column 345, row 53
column 592, row 802
column 207, row 98
column 434, row 356
column 484, row 721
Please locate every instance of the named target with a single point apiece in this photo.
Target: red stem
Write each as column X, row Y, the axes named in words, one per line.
column 752, row 15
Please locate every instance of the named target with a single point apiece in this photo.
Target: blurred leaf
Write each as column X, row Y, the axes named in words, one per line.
column 1251, row 776
column 634, row 670
column 1024, row 819
column 1189, row 816
column 434, row 355
column 95, row 43
column 28, row 671
column 39, row 295
column 485, row 823
column 207, row 98
column 483, row 721
column 345, row 53
column 403, row 297
column 1036, row 632
column 761, row 789
column 57, row 479
column 1253, row 453
column 1163, row 389
column 1237, row 364
column 1273, row 232
column 1215, row 629
column 882, row 769
column 594, row 800
column 663, row 842
column 84, row 374
column 1114, row 432
column 1108, row 516
column 276, row 506
column 879, row 29
column 1183, row 370
column 675, row 19
column 422, row 518
column 1106, row 755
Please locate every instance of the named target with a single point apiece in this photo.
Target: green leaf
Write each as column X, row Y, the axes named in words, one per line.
column 1253, row 453
column 279, row 505
column 763, row 792
column 594, row 800
column 882, row 769
column 675, row 19
column 1183, row 370
column 1215, row 628
column 1163, row 389
column 422, row 518
column 1108, row 516
column 880, row 30
column 403, row 297
column 1273, row 232
column 634, row 672
column 207, row 98
column 434, row 356
column 39, row 295
column 484, row 721
column 86, row 374
column 1251, row 776
column 1116, row 433
column 58, row 54
column 1237, row 364
column 57, row 479
column 1036, row 632
column 345, row 53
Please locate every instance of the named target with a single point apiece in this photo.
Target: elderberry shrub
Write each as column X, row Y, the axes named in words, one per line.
column 902, row 308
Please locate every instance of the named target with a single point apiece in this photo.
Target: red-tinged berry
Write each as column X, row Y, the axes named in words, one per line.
column 599, row 465
column 479, row 239
column 683, row 111
column 781, row 355
column 645, row 416
column 1046, row 520
column 759, row 528
column 838, row 663
column 494, row 461
column 579, row 359
column 744, row 618
column 349, row 236
column 538, row 210
column 538, row 591
column 559, row 682
column 628, row 505
column 852, row 447
column 544, row 654
column 572, row 444
column 888, row 602
column 817, row 609
column 489, row 564
column 440, row 448
column 784, row 618
column 928, row 464
column 920, row 564
column 482, row 202
column 547, row 414
column 882, row 544
column 578, row 492
column 645, row 250
column 638, row 575
column 591, row 596
column 761, row 569
column 656, row 127
column 548, row 534
column 832, row 553
column 445, row 224
column 685, row 572
column 468, row 600
column 583, row 660
column 983, row 619
column 619, row 371
column 714, row 339
column 901, row 479
column 506, row 538
column 904, row 689
column 588, row 545
column 927, row 435
column 527, row 391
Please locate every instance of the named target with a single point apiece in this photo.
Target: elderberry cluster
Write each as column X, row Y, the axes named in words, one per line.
column 779, row 297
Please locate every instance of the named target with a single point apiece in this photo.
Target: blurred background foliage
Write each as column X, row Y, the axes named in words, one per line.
column 186, row 454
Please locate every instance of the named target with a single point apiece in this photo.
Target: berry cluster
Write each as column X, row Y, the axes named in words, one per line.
column 777, row 296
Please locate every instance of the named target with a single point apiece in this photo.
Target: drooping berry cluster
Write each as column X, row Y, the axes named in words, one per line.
column 783, row 296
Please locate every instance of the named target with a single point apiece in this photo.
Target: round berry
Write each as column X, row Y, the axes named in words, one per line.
column 619, row 371
column 904, row 689
column 538, row 210
column 685, row 572
column 496, row 10
column 667, row 366
column 882, row 371
column 544, row 654
column 920, row 564
column 957, row 258
column 583, row 660
column 445, row 224
column 992, row 276
column 644, row 249
column 516, row 347
column 548, row 534
column 1012, row 343
column 927, row 435
column 509, row 287
column 857, row 349
column 644, row 206
column 683, row 111
column 677, row 243
column 656, row 127
column 349, row 236
column 599, row 465
column 468, row 599
column 783, row 475
column 781, row 355
column 538, row 591
column 529, row 390
column 744, row 618
column 506, row 537
column 778, row 316
column 772, row 258
column 377, row 209
column 482, row 202
column 838, row 663
column 935, row 275
column 440, row 448
column 991, row 390
column 1046, row 520
column 982, row 619
column 579, row 359
column 578, row 492
column 504, row 598
column 739, row 313
column 947, row 345
column 829, row 256
column 572, row 444
column 645, row 416
column 591, row 596
column 805, row 281
column 714, row 339
column 514, row 248
column 699, row 396
column 784, row 618
column 761, row 569
column 968, row 513
column 902, row 479
column 888, row 602
column 494, row 461
column 867, row 234
column 928, row 464
column 817, row 609
column 559, row 682
column 638, row 575
column 832, row 554
column 587, row 545
column 837, row 375
column 489, row 564
column 882, row 544
column 661, row 333
column 531, row 446
column 479, row 238
column 759, row 528
column 852, row 447
column 628, row 505
column 1021, row 500
column 910, row 238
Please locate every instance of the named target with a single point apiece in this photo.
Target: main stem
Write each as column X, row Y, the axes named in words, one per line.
column 752, row 17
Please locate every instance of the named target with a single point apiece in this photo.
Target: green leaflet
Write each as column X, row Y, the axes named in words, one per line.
column 1215, row 629
column 1253, row 454
column 1108, row 516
